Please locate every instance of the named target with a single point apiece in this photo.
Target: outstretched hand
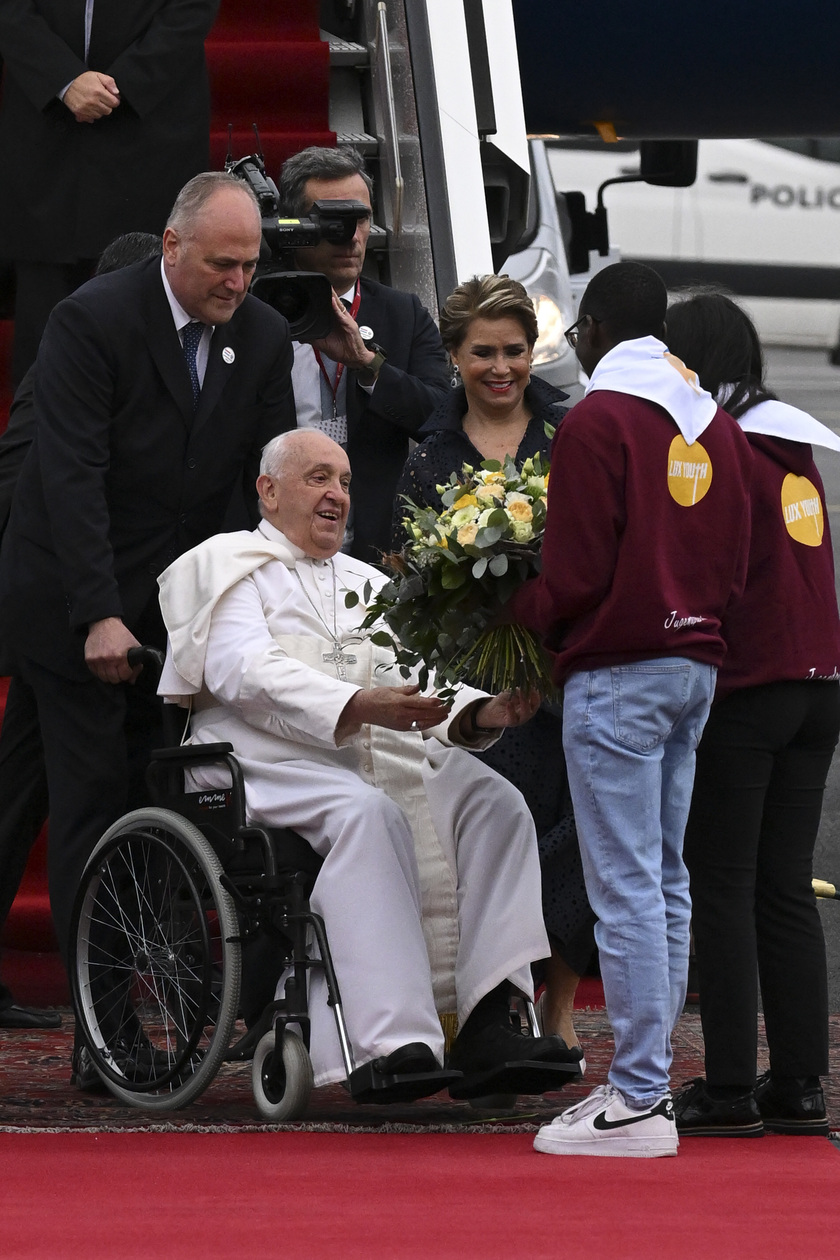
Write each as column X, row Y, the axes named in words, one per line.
column 397, row 708
column 508, row 708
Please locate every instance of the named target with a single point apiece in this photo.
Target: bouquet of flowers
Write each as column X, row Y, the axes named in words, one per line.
column 452, row 578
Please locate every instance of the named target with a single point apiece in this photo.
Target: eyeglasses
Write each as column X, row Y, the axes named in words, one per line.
column 573, row 334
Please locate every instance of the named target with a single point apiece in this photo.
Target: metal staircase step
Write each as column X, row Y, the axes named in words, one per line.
column 345, row 53
column 367, row 145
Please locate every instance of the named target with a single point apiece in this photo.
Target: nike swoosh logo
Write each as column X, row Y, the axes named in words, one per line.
column 601, row 1122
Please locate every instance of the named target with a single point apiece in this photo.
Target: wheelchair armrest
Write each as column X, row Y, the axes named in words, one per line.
column 192, row 752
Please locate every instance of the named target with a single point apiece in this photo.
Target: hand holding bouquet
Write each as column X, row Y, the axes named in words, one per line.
column 453, row 577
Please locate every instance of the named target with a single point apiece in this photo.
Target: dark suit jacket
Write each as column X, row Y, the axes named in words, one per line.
column 121, row 477
column 15, row 442
column 412, row 383
column 69, row 188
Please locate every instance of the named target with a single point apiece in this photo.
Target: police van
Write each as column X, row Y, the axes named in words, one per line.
column 762, row 218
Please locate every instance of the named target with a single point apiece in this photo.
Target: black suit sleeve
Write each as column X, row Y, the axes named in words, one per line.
column 39, row 60
column 406, row 397
column 73, row 402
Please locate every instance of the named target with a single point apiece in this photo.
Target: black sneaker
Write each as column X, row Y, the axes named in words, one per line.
column 793, row 1105
column 699, row 1115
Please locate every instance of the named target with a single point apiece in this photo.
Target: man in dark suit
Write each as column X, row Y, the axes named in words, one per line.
column 105, row 115
column 377, row 378
column 141, row 439
column 23, row 779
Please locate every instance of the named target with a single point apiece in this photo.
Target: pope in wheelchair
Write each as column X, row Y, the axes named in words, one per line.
column 430, row 883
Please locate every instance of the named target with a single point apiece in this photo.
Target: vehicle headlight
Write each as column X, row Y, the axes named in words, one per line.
column 551, row 343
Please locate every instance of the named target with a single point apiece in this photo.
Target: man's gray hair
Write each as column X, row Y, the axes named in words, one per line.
column 275, row 453
column 317, row 162
column 194, row 196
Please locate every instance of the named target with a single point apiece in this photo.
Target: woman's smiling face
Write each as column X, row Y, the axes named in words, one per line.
column 494, row 360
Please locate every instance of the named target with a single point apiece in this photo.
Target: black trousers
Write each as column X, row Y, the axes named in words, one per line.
column 749, row 845
column 23, row 795
column 97, row 738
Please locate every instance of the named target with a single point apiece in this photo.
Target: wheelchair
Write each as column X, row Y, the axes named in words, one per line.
column 172, row 898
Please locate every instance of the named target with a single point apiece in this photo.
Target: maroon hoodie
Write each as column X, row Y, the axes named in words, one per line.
column 786, row 624
column 646, row 540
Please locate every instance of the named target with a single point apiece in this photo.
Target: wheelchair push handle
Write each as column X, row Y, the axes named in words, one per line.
column 149, row 657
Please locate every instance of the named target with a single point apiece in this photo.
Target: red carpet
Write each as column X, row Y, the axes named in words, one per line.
column 182, row 1196
column 269, row 66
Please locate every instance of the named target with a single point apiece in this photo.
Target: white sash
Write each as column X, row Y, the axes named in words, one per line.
column 645, row 368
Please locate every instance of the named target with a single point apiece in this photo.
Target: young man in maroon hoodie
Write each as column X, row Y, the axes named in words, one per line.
column 646, row 544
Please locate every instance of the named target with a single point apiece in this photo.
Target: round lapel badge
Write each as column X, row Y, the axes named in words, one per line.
column 228, row 355
column 366, row 333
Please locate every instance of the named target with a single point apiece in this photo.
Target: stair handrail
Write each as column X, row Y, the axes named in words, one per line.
column 391, row 134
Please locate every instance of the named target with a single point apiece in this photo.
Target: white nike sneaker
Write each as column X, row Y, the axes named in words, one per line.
column 603, row 1124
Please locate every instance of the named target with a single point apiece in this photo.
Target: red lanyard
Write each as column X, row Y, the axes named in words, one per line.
column 339, row 371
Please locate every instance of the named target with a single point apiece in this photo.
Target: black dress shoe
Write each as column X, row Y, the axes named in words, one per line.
column 499, row 1059
column 698, row 1114
column 84, row 1075
column 15, row 1016
column 407, row 1073
column 792, row 1104
column 415, row 1057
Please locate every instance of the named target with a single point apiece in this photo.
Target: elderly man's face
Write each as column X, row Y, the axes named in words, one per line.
column 341, row 264
column 210, row 266
column 309, row 499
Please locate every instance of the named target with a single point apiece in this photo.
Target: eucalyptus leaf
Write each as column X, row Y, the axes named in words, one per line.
column 454, row 576
column 488, row 536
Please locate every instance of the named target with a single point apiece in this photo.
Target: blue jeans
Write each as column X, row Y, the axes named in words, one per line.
column 630, row 733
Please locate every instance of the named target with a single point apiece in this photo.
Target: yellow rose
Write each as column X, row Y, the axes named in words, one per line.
column 491, row 477
column 466, row 500
column 466, row 534
column 520, row 510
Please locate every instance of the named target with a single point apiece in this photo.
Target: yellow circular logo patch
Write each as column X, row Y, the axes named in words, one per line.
column 802, row 510
column 689, row 472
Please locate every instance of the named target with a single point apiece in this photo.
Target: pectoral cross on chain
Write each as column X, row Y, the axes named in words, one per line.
column 339, row 658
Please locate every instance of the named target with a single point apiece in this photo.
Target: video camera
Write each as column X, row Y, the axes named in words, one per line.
column 304, row 297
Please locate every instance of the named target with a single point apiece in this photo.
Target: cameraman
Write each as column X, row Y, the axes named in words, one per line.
column 369, row 400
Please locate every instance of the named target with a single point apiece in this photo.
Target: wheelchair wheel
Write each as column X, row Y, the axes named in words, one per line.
column 288, row 1097
column 157, row 967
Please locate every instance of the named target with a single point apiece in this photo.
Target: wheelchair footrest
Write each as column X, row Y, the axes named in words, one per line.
column 523, row 1076
column 367, row 1085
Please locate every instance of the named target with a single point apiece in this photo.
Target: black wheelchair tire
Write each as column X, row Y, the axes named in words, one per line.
column 292, row 1104
column 186, row 959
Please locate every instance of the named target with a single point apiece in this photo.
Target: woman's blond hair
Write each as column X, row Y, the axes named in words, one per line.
column 486, row 297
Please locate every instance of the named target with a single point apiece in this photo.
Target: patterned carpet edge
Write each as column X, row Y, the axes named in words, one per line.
column 36, row 1095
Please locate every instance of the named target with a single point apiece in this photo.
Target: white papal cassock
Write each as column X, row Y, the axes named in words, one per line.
column 405, row 821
